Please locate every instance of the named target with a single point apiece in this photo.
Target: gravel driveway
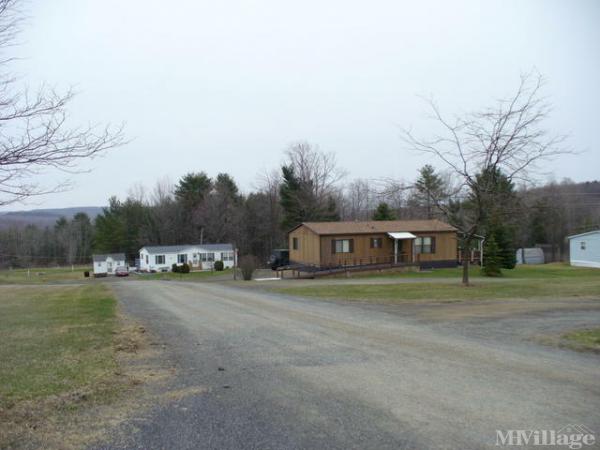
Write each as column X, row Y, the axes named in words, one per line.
column 266, row 371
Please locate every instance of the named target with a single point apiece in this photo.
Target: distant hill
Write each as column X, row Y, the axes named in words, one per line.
column 44, row 217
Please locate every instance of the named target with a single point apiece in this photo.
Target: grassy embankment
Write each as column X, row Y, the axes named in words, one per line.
column 523, row 282
column 58, row 355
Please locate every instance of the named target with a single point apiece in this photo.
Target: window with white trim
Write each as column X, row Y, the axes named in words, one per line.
column 425, row 244
column 159, row 259
column 343, row 245
column 181, row 258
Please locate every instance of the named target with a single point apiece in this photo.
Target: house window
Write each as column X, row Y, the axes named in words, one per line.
column 159, row 259
column 146, row 259
column 582, row 245
column 295, row 243
column 227, row 256
column 181, row 258
column 425, row 244
column 342, row 246
column 376, row 242
column 207, row 257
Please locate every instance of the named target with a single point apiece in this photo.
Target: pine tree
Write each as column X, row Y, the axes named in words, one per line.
column 491, row 258
column 430, row 187
column 383, row 212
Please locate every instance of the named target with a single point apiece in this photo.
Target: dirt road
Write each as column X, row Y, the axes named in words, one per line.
column 267, row 371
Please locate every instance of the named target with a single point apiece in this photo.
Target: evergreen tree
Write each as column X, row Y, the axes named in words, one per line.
column 499, row 210
column 429, row 186
column 193, row 188
column 300, row 204
column 383, row 212
column 491, row 259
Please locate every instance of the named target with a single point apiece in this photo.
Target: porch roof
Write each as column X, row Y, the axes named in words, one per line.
column 401, row 235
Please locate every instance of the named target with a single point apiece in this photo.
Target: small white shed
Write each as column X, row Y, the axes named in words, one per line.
column 584, row 249
column 107, row 264
column 531, row 255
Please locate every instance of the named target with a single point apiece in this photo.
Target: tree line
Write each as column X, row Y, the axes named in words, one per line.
column 308, row 187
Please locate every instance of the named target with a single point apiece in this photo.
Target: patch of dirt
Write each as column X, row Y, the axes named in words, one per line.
column 466, row 310
column 179, row 394
column 76, row 419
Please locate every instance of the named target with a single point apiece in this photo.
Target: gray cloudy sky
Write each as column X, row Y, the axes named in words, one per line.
column 227, row 85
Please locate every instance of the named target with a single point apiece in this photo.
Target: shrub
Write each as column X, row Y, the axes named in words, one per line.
column 175, row 268
column 219, row 266
column 185, row 268
column 248, row 264
column 86, row 273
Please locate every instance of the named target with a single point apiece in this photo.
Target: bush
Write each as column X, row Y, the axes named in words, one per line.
column 248, row 264
column 185, row 268
column 219, row 266
column 86, row 274
column 175, row 268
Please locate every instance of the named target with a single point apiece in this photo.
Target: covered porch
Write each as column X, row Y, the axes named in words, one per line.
column 404, row 248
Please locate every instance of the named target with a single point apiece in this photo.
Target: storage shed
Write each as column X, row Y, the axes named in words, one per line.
column 584, row 249
column 532, row 255
column 107, row 264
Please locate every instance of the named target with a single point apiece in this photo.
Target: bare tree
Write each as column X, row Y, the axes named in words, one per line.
column 507, row 138
column 34, row 134
column 315, row 168
column 359, row 200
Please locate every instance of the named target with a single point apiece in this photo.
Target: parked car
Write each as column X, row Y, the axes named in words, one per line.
column 122, row 271
column 280, row 257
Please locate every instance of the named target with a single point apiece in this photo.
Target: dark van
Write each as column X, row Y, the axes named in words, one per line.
column 280, row 257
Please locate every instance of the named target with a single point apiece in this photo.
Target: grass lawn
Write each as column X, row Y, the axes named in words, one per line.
column 552, row 280
column 54, row 340
column 545, row 271
column 42, row 275
column 584, row 339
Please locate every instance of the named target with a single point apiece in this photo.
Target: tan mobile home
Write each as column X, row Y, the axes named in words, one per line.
column 427, row 243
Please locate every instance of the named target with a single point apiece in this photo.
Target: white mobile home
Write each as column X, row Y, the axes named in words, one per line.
column 107, row 264
column 198, row 256
column 584, row 249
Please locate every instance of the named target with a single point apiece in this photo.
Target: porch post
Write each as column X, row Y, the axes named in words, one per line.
column 412, row 248
column 395, row 251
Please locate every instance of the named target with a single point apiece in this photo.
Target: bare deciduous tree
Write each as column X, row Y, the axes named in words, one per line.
column 507, row 138
column 34, row 134
column 315, row 168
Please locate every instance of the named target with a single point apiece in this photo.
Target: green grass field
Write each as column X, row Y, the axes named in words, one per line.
column 42, row 275
column 524, row 282
column 55, row 340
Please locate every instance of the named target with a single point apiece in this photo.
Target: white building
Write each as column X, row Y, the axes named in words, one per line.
column 198, row 256
column 107, row 264
column 584, row 249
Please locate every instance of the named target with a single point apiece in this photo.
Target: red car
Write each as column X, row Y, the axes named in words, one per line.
column 122, row 272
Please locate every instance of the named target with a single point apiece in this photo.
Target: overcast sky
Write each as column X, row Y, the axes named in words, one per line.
column 226, row 86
